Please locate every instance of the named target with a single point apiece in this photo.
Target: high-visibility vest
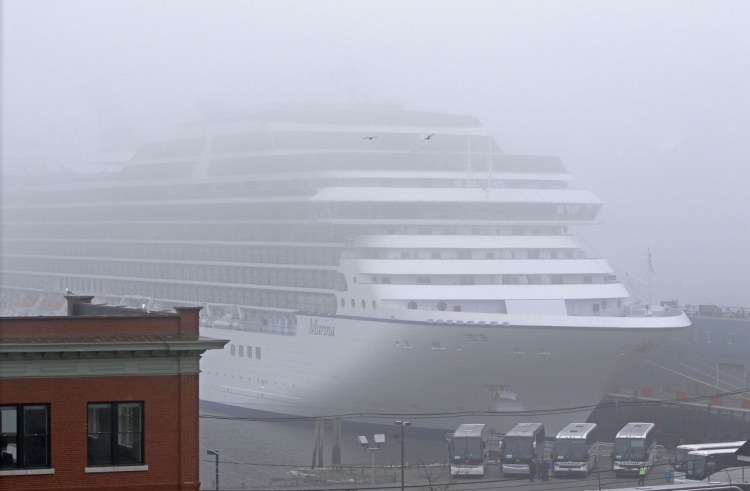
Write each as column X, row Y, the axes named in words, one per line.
column 642, row 471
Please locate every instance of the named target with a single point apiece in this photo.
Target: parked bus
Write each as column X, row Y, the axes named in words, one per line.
column 634, row 448
column 521, row 445
column 681, row 452
column 574, row 449
column 701, row 464
column 466, row 450
column 692, row 486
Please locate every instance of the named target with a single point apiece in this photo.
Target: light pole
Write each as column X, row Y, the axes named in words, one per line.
column 216, row 453
column 402, row 424
column 379, row 441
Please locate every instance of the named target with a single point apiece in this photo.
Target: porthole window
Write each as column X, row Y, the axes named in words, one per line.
column 352, row 303
column 412, row 304
column 442, row 305
column 363, row 304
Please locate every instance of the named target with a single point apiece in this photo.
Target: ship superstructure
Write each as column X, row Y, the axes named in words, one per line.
column 366, row 260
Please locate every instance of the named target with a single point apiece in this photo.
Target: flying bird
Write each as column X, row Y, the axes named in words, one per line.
column 428, row 137
column 369, row 137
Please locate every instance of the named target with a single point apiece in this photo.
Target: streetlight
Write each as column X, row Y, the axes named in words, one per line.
column 379, row 441
column 402, row 424
column 216, row 453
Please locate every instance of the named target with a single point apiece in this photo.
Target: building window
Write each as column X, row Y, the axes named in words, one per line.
column 24, row 436
column 115, row 433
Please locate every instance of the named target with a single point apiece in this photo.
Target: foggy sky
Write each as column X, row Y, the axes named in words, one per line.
column 646, row 102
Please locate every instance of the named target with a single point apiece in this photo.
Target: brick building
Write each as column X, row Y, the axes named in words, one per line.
column 103, row 398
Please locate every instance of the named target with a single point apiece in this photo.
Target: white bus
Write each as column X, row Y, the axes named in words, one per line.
column 466, row 450
column 634, row 448
column 521, row 445
column 701, row 464
column 574, row 449
column 681, row 452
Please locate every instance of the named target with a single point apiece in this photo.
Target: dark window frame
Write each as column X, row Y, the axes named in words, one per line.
column 114, row 454
column 22, row 439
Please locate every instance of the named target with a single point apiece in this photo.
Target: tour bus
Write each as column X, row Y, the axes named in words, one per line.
column 634, row 447
column 574, row 449
column 681, row 452
column 466, row 450
column 521, row 445
column 692, row 486
column 701, row 464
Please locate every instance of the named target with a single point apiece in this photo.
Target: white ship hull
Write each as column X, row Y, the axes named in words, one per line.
column 434, row 375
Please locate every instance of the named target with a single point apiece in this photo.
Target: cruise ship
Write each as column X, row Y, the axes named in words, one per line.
column 367, row 262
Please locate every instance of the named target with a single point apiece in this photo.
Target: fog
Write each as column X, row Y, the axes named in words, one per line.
column 646, row 102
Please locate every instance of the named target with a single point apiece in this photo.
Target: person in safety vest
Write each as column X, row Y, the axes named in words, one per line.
column 641, row 475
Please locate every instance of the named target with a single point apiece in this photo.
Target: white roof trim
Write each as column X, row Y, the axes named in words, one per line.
column 477, row 266
column 500, row 292
column 467, row 241
column 458, row 195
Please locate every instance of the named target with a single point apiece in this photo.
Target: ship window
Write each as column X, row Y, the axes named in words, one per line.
column 373, row 305
column 435, row 255
column 257, row 352
column 604, row 304
column 363, row 304
column 249, row 351
column 412, row 304
column 242, row 351
column 343, row 303
column 423, row 280
column 587, row 279
column 231, row 349
column 441, row 305
column 730, row 338
column 385, row 279
column 352, row 303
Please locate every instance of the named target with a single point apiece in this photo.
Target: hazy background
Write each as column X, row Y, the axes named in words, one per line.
column 647, row 102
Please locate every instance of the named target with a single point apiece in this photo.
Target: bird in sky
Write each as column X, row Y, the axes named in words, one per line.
column 369, row 137
column 428, row 137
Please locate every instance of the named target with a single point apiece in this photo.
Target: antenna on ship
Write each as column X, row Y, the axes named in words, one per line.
column 468, row 159
column 490, row 166
column 649, row 273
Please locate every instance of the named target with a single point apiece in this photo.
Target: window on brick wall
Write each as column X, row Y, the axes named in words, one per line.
column 115, row 433
column 24, row 436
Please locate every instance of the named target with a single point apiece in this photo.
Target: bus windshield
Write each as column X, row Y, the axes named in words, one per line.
column 695, row 468
column 466, row 450
column 571, row 449
column 630, row 449
column 518, row 448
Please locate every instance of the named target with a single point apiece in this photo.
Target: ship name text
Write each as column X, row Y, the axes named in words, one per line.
column 320, row 329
